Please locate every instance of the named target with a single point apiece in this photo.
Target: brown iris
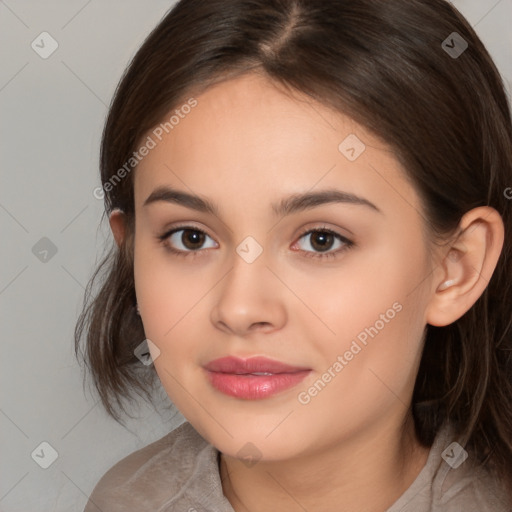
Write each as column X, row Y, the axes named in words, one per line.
column 324, row 239
column 192, row 239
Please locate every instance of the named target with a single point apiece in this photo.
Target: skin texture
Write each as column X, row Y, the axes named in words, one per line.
column 245, row 146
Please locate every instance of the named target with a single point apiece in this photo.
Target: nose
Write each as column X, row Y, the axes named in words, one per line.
column 249, row 299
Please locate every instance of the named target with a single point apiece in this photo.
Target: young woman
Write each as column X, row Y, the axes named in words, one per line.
column 310, row 201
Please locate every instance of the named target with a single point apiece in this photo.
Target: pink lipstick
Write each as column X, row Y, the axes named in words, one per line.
column 254, row 378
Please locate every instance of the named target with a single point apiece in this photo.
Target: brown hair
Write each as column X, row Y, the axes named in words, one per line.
column 384, row 64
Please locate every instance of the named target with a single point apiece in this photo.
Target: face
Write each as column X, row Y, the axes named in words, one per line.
column 334, row 287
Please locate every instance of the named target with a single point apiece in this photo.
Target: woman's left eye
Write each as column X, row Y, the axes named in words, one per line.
column 323, row 240
column 192, row 240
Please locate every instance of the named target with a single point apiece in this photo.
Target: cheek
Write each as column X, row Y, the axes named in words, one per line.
column 168, row 291
column 376, row 289
column 377, row 312
column 367, row 284
column 172, row 297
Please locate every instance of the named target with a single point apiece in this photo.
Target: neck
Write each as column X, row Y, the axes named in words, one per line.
column 367, row 473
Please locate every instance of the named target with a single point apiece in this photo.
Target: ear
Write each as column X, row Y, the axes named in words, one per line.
column 467, row 266
column 117, row 225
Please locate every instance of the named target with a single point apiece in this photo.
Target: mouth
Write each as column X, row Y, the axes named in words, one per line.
column 254, row 378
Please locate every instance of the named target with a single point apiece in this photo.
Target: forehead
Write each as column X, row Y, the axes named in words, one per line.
column 248, row 140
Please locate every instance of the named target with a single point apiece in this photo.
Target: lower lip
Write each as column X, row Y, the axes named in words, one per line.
column 254, row 387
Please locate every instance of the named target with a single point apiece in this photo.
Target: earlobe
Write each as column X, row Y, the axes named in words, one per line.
column 467, row 267
column 117, row 225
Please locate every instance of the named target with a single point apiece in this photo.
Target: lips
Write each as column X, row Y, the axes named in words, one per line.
column 253, row 365
column 254, row 378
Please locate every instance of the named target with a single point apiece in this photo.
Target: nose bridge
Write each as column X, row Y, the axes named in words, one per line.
column 248, row 276
column 248, row 295
column 250, row 250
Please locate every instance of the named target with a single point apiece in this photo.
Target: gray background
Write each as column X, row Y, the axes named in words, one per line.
column 52, row 114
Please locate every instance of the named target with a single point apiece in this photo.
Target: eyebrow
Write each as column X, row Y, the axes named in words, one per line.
column 292, row 204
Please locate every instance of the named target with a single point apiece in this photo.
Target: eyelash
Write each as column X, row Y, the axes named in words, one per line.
column 348, row 244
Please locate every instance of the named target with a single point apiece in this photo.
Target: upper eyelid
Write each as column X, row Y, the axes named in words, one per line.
column 168, row 232
column 309, row 230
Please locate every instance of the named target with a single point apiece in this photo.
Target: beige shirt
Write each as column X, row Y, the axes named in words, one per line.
column 180, row 472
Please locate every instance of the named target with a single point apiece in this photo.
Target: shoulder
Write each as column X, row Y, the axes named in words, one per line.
column 451, row 481
column 472, row 489
column 150, row 475
column 461, row 484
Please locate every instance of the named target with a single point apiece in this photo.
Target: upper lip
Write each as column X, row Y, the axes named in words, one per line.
column 237, row 365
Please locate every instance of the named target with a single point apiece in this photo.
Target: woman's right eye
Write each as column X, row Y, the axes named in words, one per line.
column 185, row 240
